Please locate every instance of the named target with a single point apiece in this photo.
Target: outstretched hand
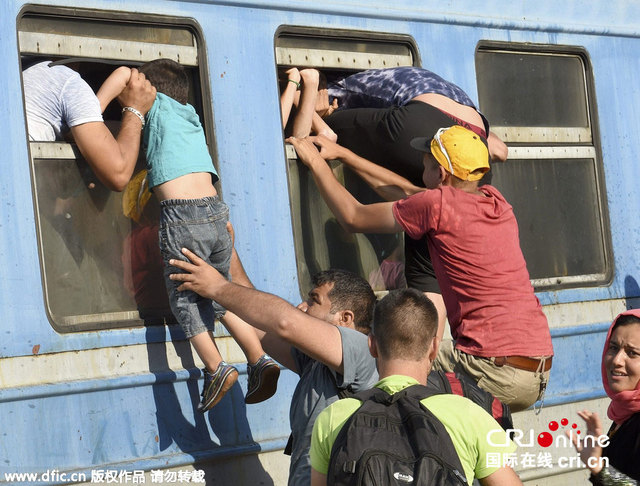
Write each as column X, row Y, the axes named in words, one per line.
column 138, row 93
column 329, row 150
column 589, row 448
column 307, row 152
column 201, row 278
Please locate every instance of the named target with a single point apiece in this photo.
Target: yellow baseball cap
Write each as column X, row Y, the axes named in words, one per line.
column 460, row 151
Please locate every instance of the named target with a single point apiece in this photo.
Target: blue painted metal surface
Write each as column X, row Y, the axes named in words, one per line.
column 148, row 420
column 575, row 374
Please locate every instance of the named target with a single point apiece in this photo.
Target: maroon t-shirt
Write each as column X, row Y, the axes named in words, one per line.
column 475, row 250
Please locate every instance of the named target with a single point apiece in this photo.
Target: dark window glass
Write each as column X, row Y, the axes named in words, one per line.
column 321, row 243
column 556, row 202
column 100, row 267
column 519, row 89
column 541, row 103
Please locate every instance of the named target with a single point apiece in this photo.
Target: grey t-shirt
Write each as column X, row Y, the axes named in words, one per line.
column 317, row 389
column 56, row 97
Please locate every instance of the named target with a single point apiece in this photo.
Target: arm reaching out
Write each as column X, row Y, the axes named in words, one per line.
column 352, row 216
column 498, row 150
column 387, row 184
column 320, row 127
column 113, row 86
column 307, row 103
column 113, row 160
column 277, row 348
column 288, row 95
column 315, row 337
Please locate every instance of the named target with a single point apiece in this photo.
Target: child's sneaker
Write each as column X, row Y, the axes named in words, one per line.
column 263, row 380
column 216, row 384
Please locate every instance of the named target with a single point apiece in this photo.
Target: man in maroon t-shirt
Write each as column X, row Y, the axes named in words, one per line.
column 501, row 335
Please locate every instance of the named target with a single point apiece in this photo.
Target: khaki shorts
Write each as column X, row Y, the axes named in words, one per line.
column 517, row 388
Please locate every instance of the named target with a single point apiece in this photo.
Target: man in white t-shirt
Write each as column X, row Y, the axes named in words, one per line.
column 57, row 99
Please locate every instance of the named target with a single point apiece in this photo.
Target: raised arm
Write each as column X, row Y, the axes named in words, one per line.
column 113, row 86
column 387, row 184
column 498, row 150
column 305, row 108
column 242, row 331
column 113, row 160
column 315, row 337
column 352, row 216
column 288, row 95
column 320, row 127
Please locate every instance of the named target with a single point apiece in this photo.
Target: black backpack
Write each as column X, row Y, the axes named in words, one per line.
column 393, row 440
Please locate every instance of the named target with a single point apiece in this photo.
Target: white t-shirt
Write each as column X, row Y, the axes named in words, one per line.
column 57, row 97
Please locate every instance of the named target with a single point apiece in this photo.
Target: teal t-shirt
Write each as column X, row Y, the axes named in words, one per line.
column 467, row 424
column 175, row 142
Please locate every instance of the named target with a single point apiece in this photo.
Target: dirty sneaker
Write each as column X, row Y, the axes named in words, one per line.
column 216, row 384
column 263, row 380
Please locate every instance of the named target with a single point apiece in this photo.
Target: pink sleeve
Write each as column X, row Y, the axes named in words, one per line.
column 419, row 213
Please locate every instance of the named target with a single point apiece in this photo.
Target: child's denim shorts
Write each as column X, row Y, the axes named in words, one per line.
column 200, row 226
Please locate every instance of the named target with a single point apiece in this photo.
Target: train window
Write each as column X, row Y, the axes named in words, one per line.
column 541, row 102
column 320, row 242
column 100, row 260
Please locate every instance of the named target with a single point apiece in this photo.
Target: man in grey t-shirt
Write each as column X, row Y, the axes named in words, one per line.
column 324, row 340
column 319, row 387
column 57, row 98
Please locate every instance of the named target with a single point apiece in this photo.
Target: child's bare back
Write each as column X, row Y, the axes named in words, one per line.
column 188, row 186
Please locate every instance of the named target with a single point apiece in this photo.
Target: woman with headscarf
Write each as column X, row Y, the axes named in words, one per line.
column 621, row 380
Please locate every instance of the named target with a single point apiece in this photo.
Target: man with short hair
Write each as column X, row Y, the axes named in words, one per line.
column 324, row 340
column 403, row 339
column 501, row 335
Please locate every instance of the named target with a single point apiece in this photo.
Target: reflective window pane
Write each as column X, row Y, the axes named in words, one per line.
column 96, row 261
column 532, row 90
column 321, row 243
column 556, row 203
column 553, row 178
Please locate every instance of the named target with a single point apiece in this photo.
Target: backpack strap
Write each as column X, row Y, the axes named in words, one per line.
column 438, row 381
column 346, row 392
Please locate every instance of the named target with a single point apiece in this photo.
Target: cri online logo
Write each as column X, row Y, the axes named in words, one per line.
column 545, row 439
column 501, row 438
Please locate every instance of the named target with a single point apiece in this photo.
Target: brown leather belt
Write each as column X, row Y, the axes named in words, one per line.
column 522, row 363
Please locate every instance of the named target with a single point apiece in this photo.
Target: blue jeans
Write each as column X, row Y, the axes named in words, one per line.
column 200, row 226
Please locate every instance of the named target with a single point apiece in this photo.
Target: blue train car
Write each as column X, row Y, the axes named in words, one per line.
column 95, row 378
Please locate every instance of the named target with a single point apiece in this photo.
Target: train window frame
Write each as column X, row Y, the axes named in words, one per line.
column 345, row 51
column 47, row 32
column 557, row 145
